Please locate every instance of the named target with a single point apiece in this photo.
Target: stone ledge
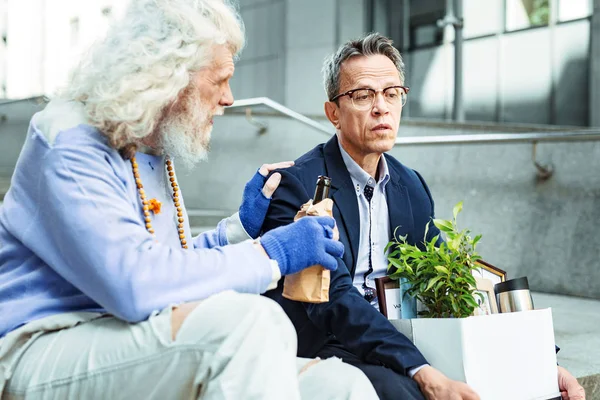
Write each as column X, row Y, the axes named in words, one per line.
column 591, row 384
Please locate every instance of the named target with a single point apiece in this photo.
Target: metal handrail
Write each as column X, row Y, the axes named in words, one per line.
column 39, row 99
column 265, row 101
column 496, row 138
column 533, row 137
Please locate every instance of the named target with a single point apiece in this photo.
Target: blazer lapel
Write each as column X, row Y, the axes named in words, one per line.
column 344, row 198
column 399, row 208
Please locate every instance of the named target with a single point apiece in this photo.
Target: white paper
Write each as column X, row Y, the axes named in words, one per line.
column 519, row 346
column 393, row 302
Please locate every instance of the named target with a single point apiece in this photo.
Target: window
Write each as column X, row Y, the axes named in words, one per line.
column 74, row 35
column 482, row 17
column 574, row 9
column 426, row 35
column 522, row 14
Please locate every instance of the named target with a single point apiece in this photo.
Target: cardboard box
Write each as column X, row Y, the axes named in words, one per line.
column 501, row 356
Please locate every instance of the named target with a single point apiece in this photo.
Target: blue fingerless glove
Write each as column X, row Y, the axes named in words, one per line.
column 254, row 205
column 306, row 242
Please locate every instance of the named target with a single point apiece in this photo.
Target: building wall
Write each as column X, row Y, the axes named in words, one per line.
column 537, row 75
column 534, row 76
column 283, row 57
column 45, row 38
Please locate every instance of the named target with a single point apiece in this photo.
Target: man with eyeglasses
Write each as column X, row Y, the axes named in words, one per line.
column 373, row 194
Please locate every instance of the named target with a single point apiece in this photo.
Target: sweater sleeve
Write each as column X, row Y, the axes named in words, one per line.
column 87, row 229
column 229, row 231
column 213, row 238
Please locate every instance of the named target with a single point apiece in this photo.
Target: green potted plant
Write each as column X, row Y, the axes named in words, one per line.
column 441, row 278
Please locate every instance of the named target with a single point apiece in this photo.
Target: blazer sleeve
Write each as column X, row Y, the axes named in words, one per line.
column 355, row 323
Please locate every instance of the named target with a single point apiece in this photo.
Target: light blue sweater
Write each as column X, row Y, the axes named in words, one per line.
column 73, row 236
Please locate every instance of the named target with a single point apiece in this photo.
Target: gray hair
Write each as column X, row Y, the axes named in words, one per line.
column 370, row 45
column 146, row 61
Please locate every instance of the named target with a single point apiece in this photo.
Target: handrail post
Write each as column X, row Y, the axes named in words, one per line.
column 459, row 111
column 454, row 17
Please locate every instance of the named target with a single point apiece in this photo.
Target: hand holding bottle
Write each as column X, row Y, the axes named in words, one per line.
column 304, row 243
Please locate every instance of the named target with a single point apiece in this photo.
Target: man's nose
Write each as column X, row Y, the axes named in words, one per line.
column 380, row 106
column 226, row 97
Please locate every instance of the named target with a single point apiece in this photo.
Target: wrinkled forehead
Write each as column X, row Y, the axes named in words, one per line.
column 220, row 65
column 368, row 71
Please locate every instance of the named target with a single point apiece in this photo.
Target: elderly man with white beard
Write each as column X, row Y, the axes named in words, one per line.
column 103, row 291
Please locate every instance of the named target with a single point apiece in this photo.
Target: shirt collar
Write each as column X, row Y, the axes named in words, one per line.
column 360, row 176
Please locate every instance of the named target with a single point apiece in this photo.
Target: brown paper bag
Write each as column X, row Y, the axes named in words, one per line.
column 311, row 285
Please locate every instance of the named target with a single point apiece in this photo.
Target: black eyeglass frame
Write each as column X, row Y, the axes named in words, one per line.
column 350, row 92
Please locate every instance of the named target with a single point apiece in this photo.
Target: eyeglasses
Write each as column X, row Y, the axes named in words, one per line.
column 364, row 98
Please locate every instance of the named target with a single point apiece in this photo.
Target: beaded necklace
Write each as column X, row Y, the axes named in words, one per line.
column 146, row 205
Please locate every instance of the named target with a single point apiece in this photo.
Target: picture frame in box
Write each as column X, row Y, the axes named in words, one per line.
column 491, row 272
column 488, row 305
column 383, row 284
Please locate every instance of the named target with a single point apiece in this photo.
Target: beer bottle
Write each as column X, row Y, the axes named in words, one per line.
column 322, row 189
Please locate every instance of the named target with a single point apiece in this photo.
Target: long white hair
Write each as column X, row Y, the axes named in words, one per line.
column 145, row 61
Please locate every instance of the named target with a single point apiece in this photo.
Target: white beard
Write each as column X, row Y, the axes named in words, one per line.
column 185, row 134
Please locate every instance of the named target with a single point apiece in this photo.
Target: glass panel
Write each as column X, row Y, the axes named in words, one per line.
column 521, row 14
column 427, row 35
column 74, row 34
column 380, row 16
column 574, row 9
column 482, row 17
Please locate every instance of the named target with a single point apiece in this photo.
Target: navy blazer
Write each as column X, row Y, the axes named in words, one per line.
column 348, row 316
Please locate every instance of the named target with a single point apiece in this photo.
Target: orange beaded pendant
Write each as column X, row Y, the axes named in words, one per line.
column 154, row 205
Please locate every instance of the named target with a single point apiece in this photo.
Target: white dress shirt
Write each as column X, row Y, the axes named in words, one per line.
column 374, row 216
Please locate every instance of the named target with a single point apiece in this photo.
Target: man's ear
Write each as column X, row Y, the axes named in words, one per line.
column 333, row 113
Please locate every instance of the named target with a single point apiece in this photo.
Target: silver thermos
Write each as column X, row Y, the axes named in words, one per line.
column 513, row 295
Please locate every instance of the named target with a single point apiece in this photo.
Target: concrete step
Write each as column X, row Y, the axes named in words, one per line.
column 577, row 333
column 202, row 220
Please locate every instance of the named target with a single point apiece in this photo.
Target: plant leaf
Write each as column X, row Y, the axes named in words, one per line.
column 480, row 296
column 396, row 263
column 457, row 208
column 454, row 305
column 394, row 253
column 443, row 225
column 442, row 269
column 470, row 300
column 433, row 282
